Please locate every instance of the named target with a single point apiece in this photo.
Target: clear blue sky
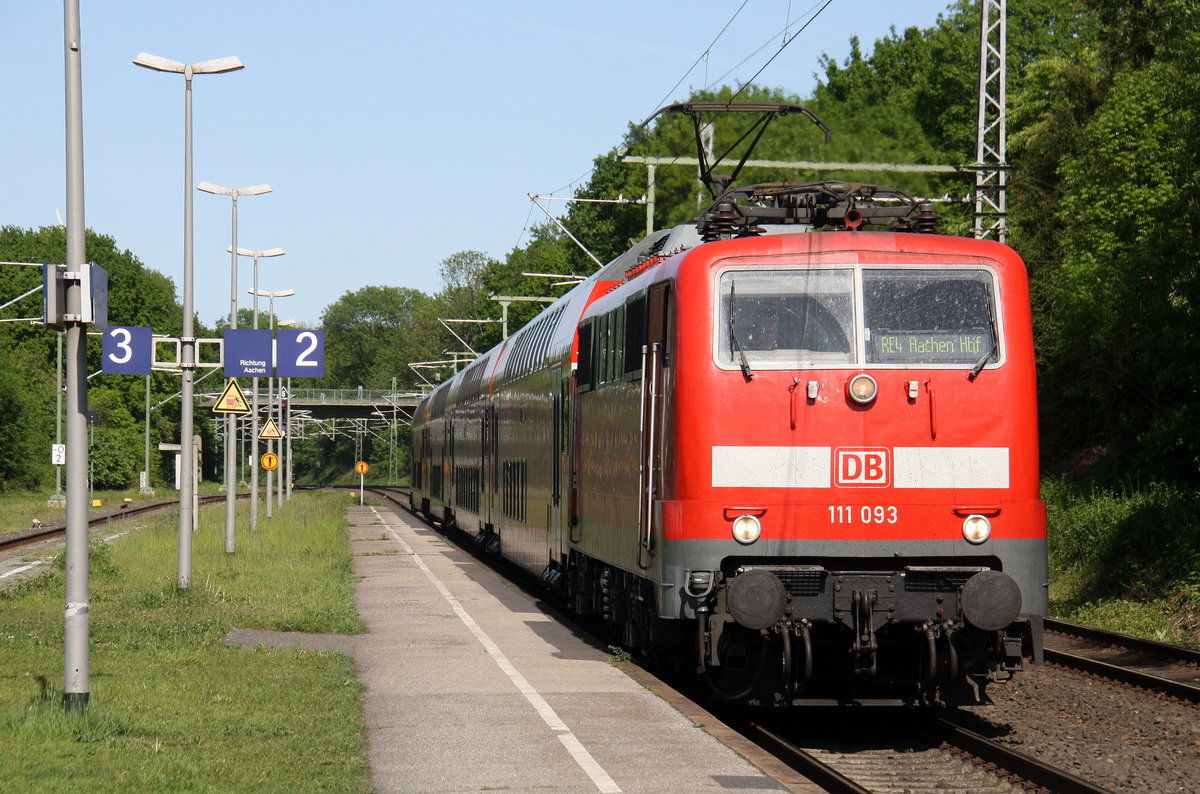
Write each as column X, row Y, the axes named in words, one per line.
column 393, row 133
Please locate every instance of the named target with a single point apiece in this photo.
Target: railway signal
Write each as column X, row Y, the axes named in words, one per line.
column 362, row 467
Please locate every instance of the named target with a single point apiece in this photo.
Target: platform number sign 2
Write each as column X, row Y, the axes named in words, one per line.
column 299, row 353
column 127, row 350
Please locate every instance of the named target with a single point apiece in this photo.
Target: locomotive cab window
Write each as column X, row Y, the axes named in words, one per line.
column 929, row 317
column 786, row 318
column 852, row 316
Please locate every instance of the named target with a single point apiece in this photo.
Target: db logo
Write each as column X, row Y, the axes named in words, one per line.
column 861, row 467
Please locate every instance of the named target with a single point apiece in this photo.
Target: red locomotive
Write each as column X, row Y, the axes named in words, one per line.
column 793, row 454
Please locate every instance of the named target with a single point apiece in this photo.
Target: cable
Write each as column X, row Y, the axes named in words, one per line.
column 524, row 228
column 703, row 55
column 784, row 33
column 781, row 48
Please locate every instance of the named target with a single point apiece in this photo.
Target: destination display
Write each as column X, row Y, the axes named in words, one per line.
column 930, row 347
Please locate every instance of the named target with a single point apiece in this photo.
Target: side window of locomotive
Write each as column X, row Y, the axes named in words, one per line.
column 929, row 317
column 786, row 318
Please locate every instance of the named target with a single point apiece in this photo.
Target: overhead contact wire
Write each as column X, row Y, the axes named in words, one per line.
column 781, row 49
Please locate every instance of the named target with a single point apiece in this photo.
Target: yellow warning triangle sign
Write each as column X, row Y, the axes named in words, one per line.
column 270, row 431
column 231, row 401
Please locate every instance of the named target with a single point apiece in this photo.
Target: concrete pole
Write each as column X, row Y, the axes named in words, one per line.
column 254, row 465
column 270, row 404
column 187, row 363
column 287, row 425
column 146, row 459
column 76, row 623
column 58, row 500
column 231, row 419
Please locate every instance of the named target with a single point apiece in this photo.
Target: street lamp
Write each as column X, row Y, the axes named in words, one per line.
column 254, row 387
column 231, row 419
column 187, row 356
column 271, row 296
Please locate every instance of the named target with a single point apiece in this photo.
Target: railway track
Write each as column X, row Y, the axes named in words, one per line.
column 48, row 531
column 1169, row 670
column 904, row 751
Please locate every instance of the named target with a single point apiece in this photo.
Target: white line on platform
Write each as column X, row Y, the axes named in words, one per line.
column 582, row 757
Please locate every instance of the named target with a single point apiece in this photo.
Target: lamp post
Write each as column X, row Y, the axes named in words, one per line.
column 254, row 389
column 271, row 296
column 187, row 356
column 231, row 419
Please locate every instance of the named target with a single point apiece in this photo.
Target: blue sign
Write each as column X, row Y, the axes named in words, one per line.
column 127, row 350
column 97, row 290
column 248, row 354
column 300, row 354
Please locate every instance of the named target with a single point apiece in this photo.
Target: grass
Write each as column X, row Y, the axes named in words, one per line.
column 172, row 708
column 19, row 510
column 1126, row 560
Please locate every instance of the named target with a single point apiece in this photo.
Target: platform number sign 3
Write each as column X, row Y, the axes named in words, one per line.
column 127, row 350
column 300, row 353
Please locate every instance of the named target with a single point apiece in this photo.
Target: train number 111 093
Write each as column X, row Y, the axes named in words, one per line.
column 865, row 514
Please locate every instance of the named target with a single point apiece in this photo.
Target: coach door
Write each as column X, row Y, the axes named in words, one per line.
column 559, row 459
column 490, row 473
column 654, row 365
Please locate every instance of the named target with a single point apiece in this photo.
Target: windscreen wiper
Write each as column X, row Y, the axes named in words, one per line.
column 747, row 373
column 995, row 351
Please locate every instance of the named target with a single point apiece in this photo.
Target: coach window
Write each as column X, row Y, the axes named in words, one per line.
column 585, row 369
column 601, row 349
column 635, row 334
column 607, row 321
column 618, row 351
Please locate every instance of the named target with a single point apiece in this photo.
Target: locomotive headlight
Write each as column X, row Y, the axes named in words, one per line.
column 976, row 529
column 746, row 529
column 862, row 388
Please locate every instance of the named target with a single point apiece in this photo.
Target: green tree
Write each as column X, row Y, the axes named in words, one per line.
column 1113, row 142
column 374, row 333
column 464, row 296
column 137, row 296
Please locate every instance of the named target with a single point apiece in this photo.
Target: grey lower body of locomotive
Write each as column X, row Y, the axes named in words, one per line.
column 883, row 610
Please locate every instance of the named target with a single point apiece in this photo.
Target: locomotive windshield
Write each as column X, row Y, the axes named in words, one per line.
column 821, row 317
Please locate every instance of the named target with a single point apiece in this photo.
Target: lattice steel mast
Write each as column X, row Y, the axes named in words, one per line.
column 991, row 165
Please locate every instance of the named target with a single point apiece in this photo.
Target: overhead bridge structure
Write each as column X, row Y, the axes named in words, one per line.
column 383, row 405
column 356, row 414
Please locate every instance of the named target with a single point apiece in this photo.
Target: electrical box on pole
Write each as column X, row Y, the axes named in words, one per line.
column 54, row 296
column 93, row 295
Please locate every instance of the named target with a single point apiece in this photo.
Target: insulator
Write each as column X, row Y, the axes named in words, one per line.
column 926, row 220
column 720, row 224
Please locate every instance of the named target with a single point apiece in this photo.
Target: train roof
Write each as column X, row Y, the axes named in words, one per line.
column 750, row 211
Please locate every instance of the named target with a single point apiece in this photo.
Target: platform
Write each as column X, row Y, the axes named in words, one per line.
column 471, row 687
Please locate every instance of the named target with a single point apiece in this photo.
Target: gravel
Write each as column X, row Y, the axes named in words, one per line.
column 1118, row 738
